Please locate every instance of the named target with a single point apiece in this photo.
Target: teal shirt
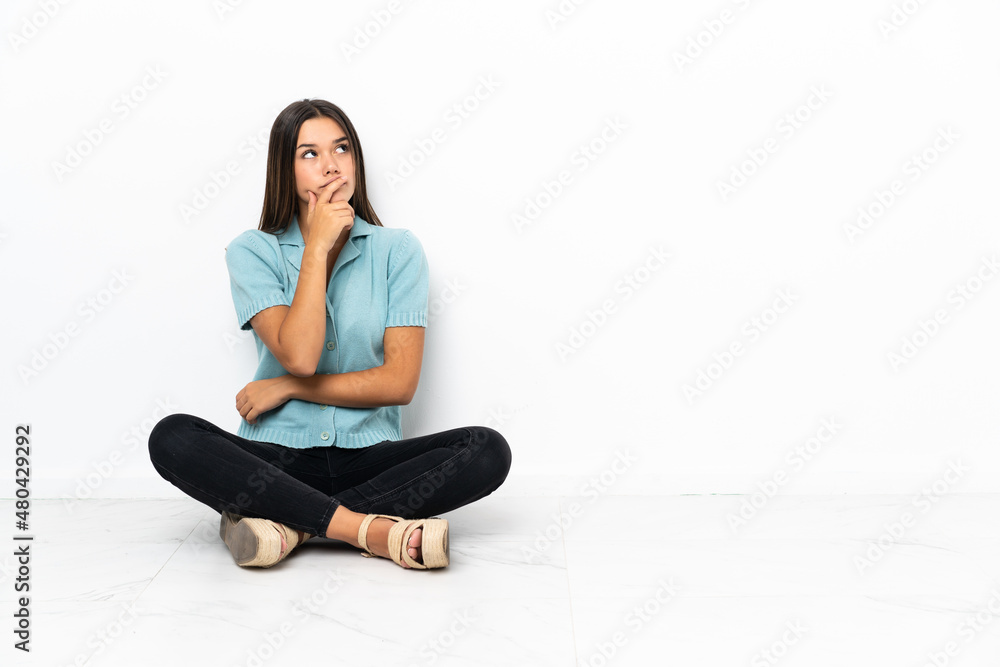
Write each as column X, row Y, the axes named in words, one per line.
column 380, row 280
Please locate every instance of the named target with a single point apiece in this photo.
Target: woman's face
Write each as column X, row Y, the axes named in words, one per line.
column 322, row 153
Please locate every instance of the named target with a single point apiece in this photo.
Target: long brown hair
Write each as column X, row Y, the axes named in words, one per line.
column 280, row 201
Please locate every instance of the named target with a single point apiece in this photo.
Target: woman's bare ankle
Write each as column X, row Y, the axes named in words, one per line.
column 344, row 525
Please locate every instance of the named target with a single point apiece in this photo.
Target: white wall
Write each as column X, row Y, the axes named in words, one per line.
column 505, row 296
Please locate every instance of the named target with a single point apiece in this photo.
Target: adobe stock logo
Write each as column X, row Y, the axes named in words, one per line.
column 59, row 340
column 752, row 330
column 455, row 116
column 786, row 126
column 221, row 178
column 928, row 329
column 794, row 630
column 882, row 201
column 712, row 29
column 899, row 16
column 122, row 107
column 582, row 158
column 894, row 532
column 30, row 26
column 628, row 285
column 796, row 459
column 363, row 36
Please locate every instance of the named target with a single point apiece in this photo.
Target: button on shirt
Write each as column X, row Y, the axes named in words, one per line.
column 380, row 280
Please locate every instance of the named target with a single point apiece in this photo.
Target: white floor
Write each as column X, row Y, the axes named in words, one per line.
column 643, row 580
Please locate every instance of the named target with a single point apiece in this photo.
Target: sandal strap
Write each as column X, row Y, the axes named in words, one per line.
column 399, row 535
column 363, row 531
column 291, row 537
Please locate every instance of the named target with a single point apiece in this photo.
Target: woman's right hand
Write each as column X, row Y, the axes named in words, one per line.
column 328, row 218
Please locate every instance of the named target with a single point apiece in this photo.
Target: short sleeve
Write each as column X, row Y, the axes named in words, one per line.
column 256, row 277
column 409, row 283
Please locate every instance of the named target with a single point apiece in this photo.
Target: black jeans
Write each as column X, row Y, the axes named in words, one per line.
column 302, row 488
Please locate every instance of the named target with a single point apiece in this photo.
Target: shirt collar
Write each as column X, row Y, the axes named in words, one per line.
column 293, row 235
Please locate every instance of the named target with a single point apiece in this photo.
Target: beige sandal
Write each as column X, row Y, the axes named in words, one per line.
column 257, row 542
column 433, row 544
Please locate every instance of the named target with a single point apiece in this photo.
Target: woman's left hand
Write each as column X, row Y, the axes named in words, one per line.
column 260, row 396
